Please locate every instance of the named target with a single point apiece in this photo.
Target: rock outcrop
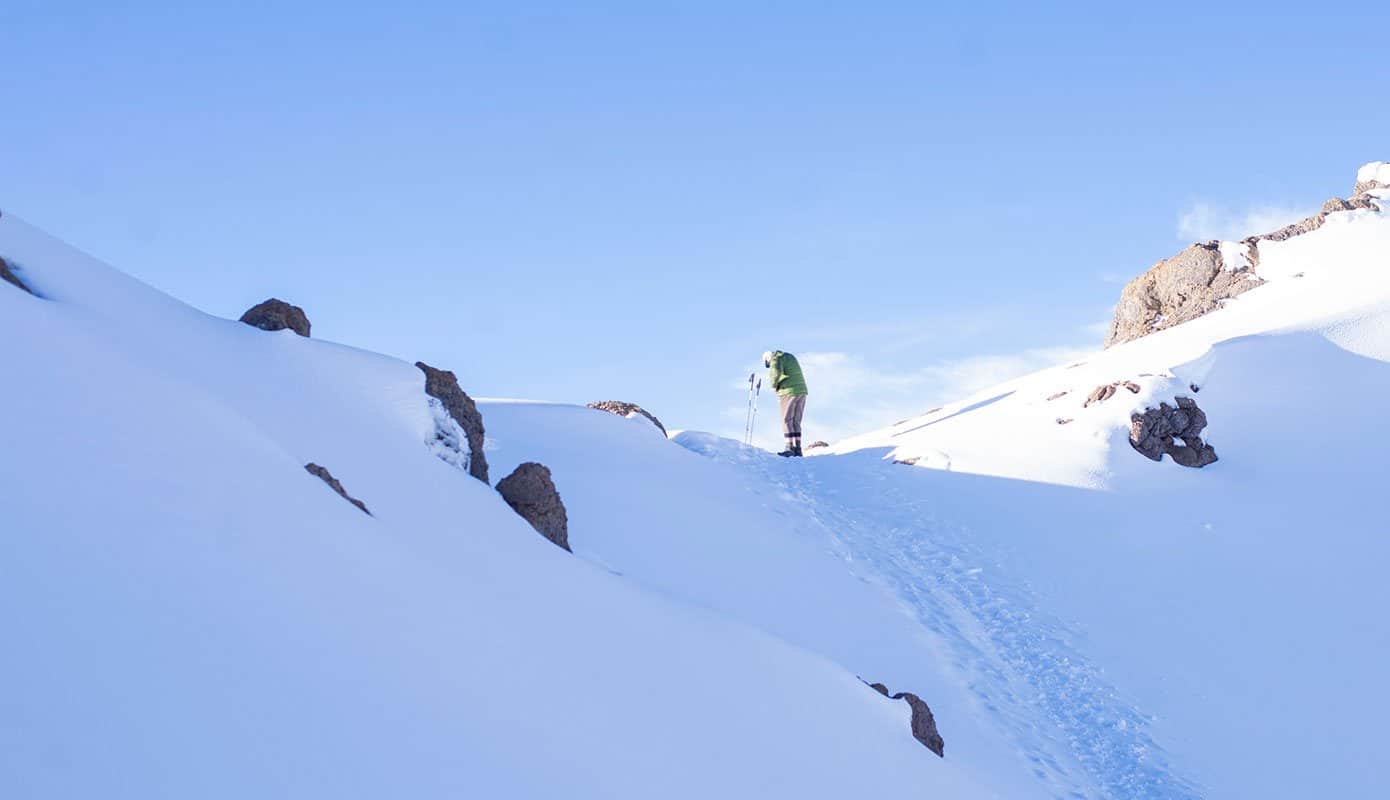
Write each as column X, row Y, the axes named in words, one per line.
column 443, row 386
column 8, row 276
column 277, row 315
column 333, row 483
column 1176, row 431
column 1199, row 279
column 814, row 445
column 531, row 493
column 623, row 409
column 1176, row 290
column 923, row 723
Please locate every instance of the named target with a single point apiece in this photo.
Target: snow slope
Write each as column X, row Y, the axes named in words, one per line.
column 1240, row 608
column 197, row 616
column 190, row 614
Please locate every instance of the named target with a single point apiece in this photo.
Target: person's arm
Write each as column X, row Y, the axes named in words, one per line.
column 775, row 376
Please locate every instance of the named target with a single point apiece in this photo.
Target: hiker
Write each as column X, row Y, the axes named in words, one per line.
column 785, row 377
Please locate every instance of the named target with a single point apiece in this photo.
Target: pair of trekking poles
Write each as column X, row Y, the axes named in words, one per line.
column 752, row 416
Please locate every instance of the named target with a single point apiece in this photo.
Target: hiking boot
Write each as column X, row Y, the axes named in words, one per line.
column 796, row 451
column 788, row 453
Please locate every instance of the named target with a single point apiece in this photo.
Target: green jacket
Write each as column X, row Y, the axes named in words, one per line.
column 785, row 375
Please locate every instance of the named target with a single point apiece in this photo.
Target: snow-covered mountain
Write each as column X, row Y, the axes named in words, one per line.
column 192, row 612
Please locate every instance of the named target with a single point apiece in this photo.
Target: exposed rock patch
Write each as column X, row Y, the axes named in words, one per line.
column 333, row 483
column 1052, row 397
column 531, row 493
column 1175, row 431
column 623, row 409
column 814, row 445
column 443, row 386
column 923, row 723
column 277, row 315
column 1102, row 393
column 1176, row 290
column 7, row 275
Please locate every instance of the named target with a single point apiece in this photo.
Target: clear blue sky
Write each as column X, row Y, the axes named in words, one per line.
column 585, row 201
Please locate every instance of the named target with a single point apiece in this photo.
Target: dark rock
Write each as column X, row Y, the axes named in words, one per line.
column 626, row 410
column 443, row 386
column 1172, row 430
column 277, row 315
column 9, row 277
column 327, row 477
column 907, row 461
column 814, row 445
column 1066, row 421
column 923, row 723
column 531, row 493
column 1131, row 386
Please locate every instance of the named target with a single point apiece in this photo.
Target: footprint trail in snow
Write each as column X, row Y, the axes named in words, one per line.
column 1082, row 738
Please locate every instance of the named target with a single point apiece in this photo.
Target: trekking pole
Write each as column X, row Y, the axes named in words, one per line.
column 748, row 412
column 756, row 392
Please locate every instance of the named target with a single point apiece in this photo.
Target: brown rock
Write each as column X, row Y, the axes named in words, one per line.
column 923, row 723
column 1055, row 396
column 277, row 315
column 814, row 445
column 1176, row 290
column 327, row 477
column 623, row 409
column 530, row 492
column 1100, row 394
column 443, row 386
column 1065, row 421
column 7, row 275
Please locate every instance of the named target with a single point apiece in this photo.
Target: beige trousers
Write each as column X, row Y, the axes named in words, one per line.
column 792, row 409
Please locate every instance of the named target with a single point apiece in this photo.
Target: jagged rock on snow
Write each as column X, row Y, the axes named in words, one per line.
column 531, row 493
column 814, row 445
column 443, row 386
column 1052, row 397
column 335, row 485
column 9, row 277
column 1104, row 392
column 923, row 723
column 623, row 409
column 1172, row 430
column 277, row 315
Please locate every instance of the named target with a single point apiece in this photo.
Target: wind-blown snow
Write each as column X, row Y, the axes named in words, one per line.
column 1378, row 171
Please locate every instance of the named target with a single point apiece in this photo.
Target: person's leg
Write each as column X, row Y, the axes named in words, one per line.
column 789, row 423
column 797, row 411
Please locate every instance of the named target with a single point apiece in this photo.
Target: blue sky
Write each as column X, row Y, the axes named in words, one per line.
column 633, row 201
